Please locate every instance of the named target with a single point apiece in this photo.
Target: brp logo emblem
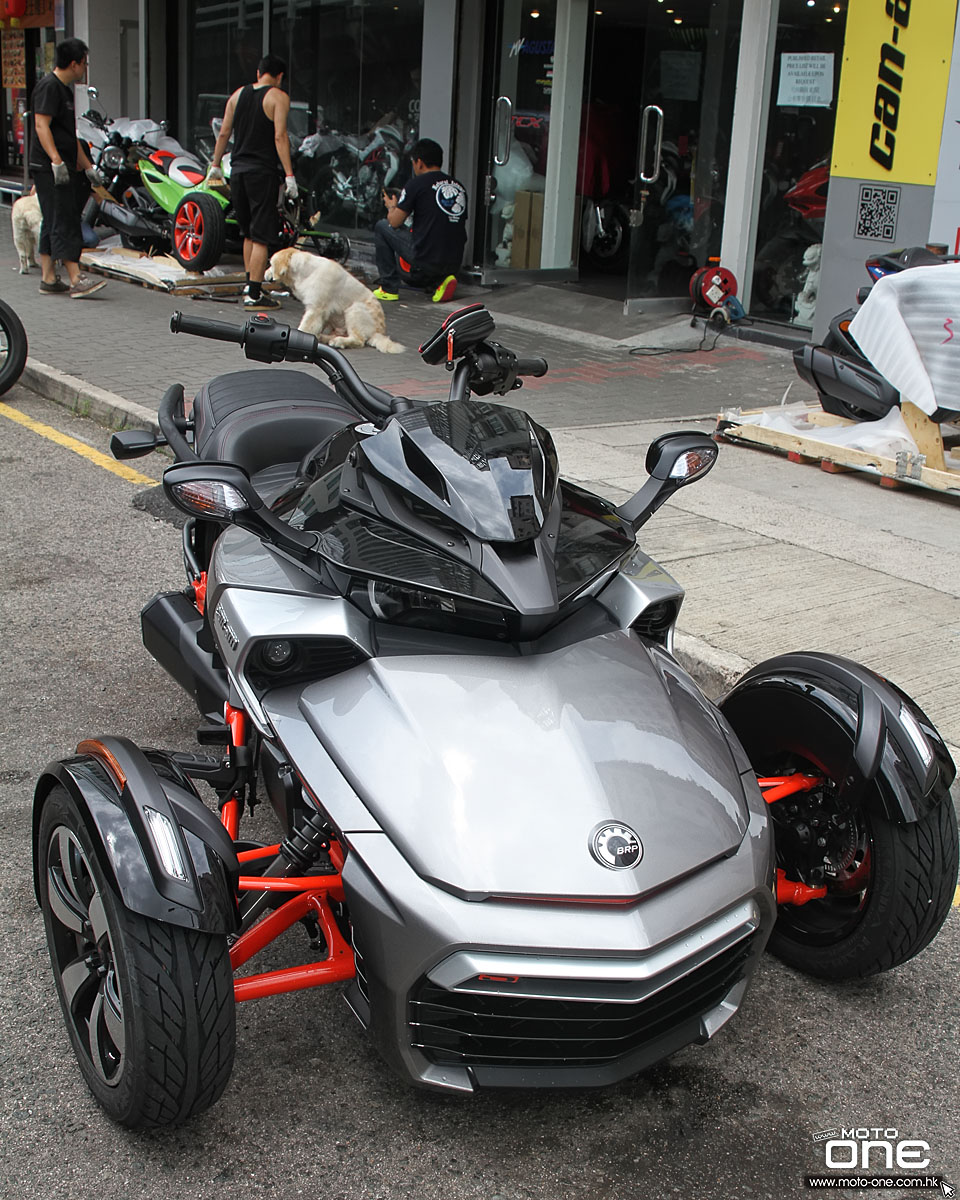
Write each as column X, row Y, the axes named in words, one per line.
column 616, row 846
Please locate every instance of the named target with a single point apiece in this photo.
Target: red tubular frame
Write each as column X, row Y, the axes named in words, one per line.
column 312, row 895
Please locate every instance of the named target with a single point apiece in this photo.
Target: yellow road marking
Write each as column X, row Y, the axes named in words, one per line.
column 62, row 439
column 956, row 898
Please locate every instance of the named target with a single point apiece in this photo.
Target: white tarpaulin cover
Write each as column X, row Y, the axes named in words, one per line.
column 887, row 437
column 909, row 329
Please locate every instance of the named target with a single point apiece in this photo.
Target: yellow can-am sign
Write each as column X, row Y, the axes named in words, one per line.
column 893, row 85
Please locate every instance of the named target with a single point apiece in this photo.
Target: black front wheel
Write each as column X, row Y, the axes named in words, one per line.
column 149, row 1007
column 13, row 347
column 888, row 885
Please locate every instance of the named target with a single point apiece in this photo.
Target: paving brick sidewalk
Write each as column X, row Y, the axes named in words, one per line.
column 120, row 341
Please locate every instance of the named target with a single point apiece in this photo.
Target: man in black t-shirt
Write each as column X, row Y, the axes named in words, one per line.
column 434, row 248
column 256, row 116
column 56, row 159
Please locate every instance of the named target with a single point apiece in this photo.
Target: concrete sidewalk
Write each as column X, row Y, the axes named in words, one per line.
column 775, row 556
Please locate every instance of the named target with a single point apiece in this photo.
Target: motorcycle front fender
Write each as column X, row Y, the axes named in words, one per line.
column 836, row 711
column 117, row 789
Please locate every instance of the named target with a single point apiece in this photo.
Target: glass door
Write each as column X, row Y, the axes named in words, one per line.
column 514, row 176
column 687, row 76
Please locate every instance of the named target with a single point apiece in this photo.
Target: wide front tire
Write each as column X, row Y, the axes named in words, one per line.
column 149, row 1007
column 199, row 232
column 882, row 908
column 889, row 881
column 13, row 347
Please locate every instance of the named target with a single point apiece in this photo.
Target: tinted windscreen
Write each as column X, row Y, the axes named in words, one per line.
column 591, row 538
column 370, row 547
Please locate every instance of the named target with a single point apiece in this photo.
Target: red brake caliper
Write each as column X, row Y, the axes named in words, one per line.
column 777, row 787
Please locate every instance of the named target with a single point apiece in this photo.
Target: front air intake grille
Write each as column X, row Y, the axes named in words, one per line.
column 516, row 1031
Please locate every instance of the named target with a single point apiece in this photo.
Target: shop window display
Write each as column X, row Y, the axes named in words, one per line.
column 354, row 83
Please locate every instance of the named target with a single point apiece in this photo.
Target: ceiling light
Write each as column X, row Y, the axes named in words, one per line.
column 678, row 20
column 535, row 12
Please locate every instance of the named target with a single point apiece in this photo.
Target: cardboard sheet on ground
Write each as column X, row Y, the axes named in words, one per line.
column 162, row 270
column 909, row 329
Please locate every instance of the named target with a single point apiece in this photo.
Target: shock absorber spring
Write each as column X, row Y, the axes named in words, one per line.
column 304, row 846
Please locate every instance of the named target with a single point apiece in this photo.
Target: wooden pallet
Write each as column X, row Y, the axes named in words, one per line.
column 926, row 469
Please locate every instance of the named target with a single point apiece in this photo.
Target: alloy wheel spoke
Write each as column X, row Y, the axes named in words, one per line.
column 64, row 904
column 100, row 1054
column 97, row 917
column 76, row 978
column 113, row 1008
column 71, row 861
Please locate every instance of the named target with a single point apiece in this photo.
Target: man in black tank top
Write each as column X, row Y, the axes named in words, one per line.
column 256, row 115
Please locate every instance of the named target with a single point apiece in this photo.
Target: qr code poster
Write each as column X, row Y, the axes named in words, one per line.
column 877, row 212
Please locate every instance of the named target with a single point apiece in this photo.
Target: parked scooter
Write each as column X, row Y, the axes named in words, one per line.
column 845, row 381
column 158, row 195
column 510, row 821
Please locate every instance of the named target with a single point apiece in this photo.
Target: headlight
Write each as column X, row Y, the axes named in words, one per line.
column 112, row 158
column 421, row 608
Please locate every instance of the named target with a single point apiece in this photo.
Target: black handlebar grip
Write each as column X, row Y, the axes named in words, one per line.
column 204, row 327
column 531, row 366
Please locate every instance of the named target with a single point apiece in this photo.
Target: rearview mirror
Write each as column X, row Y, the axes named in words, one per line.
column 223, row 492
column 134, row 443
column 673, row 460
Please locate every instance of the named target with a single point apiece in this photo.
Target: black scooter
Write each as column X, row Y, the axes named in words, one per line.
column 847, row 384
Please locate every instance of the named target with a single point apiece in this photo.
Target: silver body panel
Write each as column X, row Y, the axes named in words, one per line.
column 489, row 774
column 466, row 788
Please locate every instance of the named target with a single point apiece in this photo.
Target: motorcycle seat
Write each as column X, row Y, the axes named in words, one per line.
column 265, row 421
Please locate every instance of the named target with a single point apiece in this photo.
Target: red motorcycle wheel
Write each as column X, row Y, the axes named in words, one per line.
column 199, row 232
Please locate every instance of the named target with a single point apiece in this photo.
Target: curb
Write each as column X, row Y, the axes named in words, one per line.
column 85, row 399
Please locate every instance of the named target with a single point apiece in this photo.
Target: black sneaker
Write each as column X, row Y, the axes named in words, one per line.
column 265, row 301
column 57, row 288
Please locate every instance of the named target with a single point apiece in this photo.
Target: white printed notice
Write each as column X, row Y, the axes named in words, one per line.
column 806, row 81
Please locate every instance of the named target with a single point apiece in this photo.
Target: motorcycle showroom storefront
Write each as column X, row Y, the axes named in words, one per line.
column 616, row 144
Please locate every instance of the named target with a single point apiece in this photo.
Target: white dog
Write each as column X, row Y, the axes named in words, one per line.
column 340, row 311
column 26, row 220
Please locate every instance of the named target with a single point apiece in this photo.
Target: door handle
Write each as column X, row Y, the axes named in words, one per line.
column 502, row 129
column 649, row 113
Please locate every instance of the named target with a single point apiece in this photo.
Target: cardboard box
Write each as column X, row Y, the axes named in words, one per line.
column 520, row 247
column 527, row 230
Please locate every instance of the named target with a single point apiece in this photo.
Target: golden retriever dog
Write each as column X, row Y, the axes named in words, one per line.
column 26, row 220
column 339, row 310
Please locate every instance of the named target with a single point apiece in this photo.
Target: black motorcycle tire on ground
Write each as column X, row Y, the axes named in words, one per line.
column 13, row 347
column 909, row 883
column 205, row 214
column 914, row 876
column 165, row 992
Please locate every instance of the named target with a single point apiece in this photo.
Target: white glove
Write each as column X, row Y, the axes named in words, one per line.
column 96, row 179
column 214, row 174
column 61, row 174
column 290, row 187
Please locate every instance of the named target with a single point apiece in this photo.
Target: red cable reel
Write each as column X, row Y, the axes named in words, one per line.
column 712, row 285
